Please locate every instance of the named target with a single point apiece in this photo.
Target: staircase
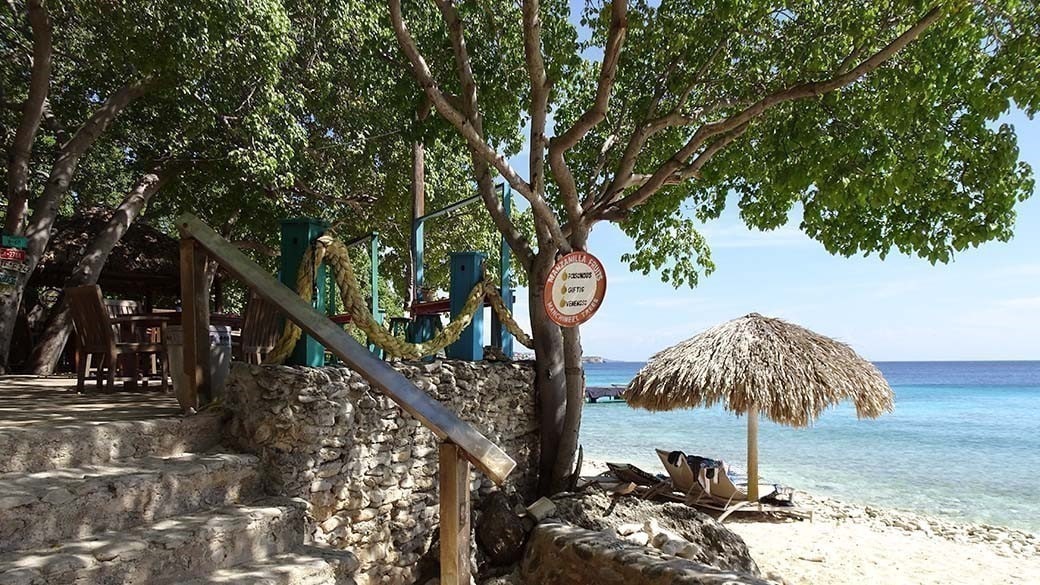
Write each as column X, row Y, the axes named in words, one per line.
column 148, row 502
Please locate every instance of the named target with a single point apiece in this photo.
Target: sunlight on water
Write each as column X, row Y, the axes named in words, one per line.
column 964, row 441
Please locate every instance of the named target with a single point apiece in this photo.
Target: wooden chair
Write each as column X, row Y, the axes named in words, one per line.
column 97, row 338
column 121, row 307
column 261, row 328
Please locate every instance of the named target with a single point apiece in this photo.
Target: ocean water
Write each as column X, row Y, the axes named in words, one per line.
column 963, row 442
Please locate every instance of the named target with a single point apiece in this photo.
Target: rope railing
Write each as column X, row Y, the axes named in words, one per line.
column 334, row 253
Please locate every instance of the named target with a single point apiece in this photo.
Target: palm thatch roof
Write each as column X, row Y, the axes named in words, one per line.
column 789, row 373
column 145, row 259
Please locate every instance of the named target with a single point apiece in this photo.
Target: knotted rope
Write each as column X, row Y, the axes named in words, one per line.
column 334, row 253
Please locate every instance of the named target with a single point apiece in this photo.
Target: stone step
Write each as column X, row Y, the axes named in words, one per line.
column 48, row 507
column 56, row 445
column 170, row 551
column 308, row 565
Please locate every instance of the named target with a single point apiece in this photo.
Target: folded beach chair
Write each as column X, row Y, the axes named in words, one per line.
column 705, row 482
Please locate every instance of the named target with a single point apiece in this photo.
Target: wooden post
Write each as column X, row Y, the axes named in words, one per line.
column 195, row 326
column 752, row 453
column 465, row 274
column 418, row 210
column 500, row 336
column 454, row 494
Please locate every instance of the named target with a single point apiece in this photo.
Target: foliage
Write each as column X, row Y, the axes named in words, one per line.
column 909, row 157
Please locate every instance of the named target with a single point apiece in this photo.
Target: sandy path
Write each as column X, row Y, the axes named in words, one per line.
column 828, row 553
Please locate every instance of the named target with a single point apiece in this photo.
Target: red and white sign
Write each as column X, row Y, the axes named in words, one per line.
column 12, row 254
column 574, row 289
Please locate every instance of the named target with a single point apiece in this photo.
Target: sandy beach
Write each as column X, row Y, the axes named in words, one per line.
column 848, row 543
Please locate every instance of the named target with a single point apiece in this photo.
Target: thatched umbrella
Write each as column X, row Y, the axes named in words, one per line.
column 758, row 364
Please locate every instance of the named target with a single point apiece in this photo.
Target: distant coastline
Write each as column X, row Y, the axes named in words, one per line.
column 587, row 359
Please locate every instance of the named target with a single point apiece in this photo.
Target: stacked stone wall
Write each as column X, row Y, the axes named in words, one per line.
column 562, row 554
column 367, row 469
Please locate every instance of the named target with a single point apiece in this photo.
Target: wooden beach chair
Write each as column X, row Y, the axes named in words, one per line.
column 261, row 329
column 709, row 486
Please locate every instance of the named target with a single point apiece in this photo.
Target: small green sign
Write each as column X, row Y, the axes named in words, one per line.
column 15, row 242
column 7, row 278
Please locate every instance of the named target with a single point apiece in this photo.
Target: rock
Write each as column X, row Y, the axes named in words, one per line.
column 626, row 529
column 924, row 527
column 641, row 538
column 500, row 532
column 543, row 508
column 714, row 544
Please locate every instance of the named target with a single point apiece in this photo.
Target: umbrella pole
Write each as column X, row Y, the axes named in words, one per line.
column 752, row 453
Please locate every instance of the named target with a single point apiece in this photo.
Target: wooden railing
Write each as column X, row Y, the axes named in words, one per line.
column 461, row 443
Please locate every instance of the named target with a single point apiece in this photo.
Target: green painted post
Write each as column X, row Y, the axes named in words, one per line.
column 297, row 235
column 500, row 336
column 374, row 283
column 465, row 274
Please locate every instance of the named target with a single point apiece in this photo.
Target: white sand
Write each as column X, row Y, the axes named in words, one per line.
column 827, row 552
column 853, row 544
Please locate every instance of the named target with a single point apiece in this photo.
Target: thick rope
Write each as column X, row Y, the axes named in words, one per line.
column 334, row 253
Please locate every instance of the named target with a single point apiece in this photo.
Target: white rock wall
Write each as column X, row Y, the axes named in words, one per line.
column 366, row 468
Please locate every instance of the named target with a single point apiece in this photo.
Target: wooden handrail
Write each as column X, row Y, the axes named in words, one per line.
column 484, row 454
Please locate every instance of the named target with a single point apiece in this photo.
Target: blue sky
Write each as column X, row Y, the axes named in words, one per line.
column 984, row 305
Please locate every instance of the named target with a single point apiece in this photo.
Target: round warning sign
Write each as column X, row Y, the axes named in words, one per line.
column 574, row 289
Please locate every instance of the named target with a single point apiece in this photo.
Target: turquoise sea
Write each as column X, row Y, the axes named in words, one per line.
column 963, row 442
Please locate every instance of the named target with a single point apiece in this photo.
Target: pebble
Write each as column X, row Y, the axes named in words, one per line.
column 1004, row 541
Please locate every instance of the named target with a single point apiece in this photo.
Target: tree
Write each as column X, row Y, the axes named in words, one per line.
column 876, row 118
column 270, row 127
column 113, row 55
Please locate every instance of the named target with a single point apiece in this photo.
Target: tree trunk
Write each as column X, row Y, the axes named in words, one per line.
column 59, row 324
column 574, row 372
column 32, row 114
column 45, row 208
column 550, row 383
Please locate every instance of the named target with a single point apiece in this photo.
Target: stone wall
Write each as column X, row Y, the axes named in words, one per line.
column 562, row 554
column 366, row 468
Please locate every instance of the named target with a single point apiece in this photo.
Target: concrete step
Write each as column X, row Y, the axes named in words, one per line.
column 308, row 565
column 56, row 445
column 48, row 507
column 174, row 550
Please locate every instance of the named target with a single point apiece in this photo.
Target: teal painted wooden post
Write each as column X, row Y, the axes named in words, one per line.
column 500, row 337
column 465, row 274
column 417, row 255
column 374, row 284
column 297, row 235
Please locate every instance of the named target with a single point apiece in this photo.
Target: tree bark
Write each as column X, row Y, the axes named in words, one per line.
column 45, row 208
column 550, row 383
column 56, row 332
column 574, row 374
column 32, row 114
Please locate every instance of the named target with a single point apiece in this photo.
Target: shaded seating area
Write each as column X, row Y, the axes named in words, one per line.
column 102, row 340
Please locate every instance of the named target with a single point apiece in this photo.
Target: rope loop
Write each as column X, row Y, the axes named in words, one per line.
column 331, row 251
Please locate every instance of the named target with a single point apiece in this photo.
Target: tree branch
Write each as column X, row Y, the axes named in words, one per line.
column 623, row 178
column 560, row 144
column 32, row 114
column 471, row 110
column 45, row 208
column 539, row 109
column 423, row 75
column 667, row 172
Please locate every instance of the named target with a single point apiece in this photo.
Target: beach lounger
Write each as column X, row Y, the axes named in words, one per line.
column 631, row 473
column 705, row 483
